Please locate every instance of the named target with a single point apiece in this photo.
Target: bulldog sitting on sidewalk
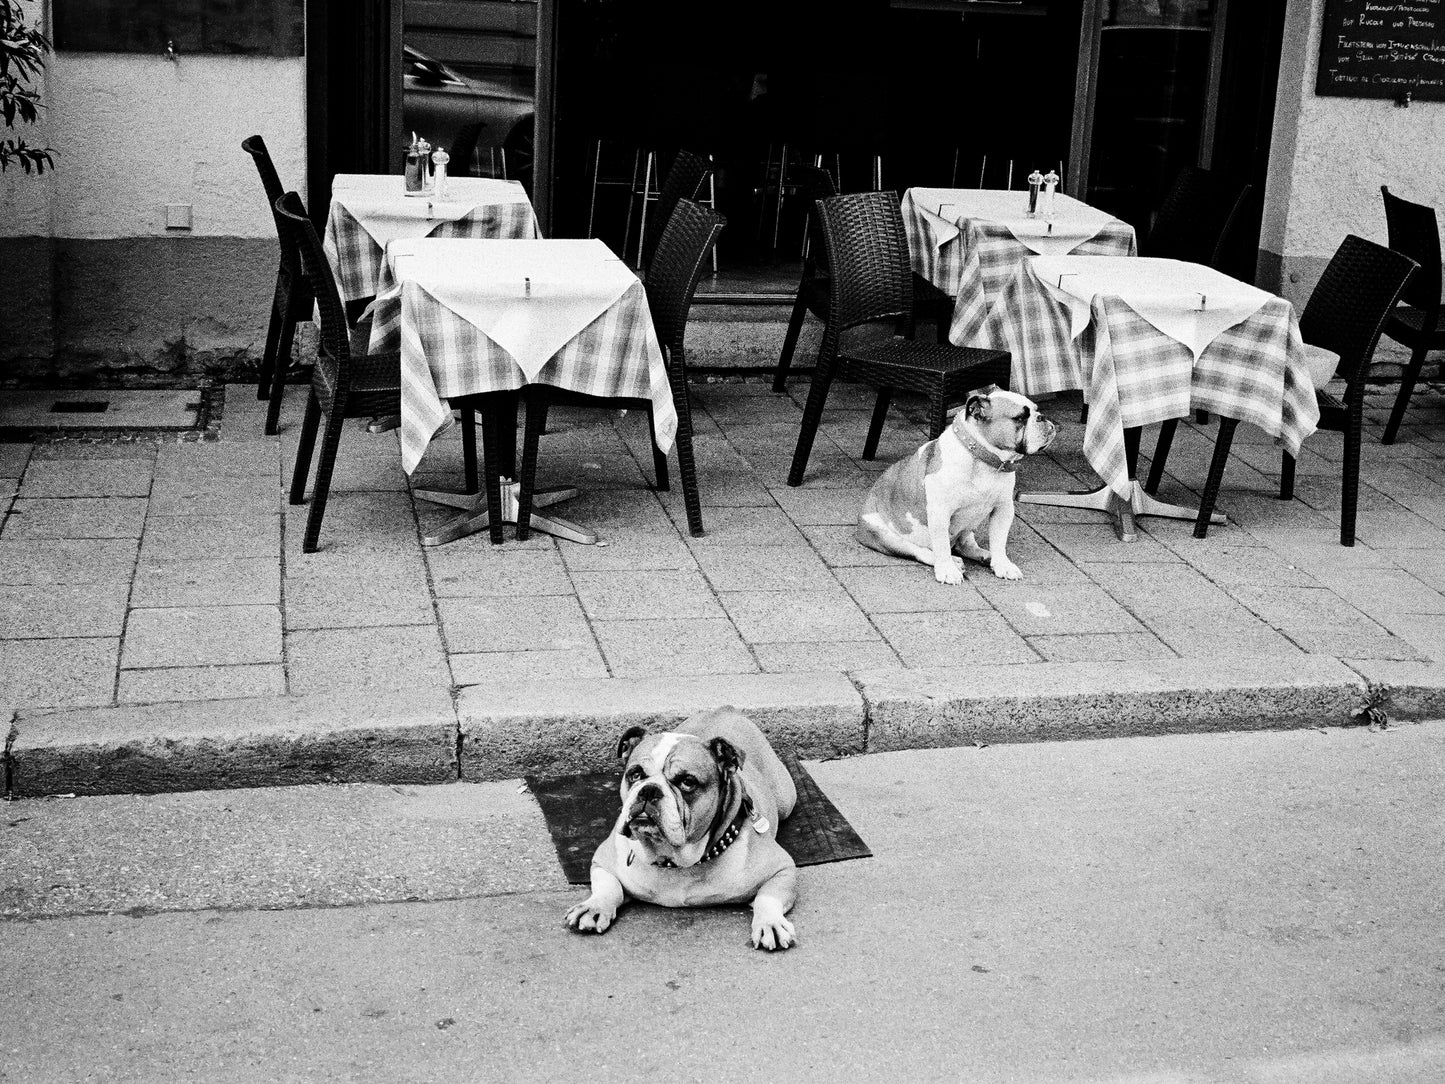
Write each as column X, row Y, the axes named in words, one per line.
column 930, row 504
column 698, row 827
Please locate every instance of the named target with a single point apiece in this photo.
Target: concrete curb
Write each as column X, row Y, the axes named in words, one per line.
column 390, row 737
column 556, row 727
column 511, row 728
column 916, row 709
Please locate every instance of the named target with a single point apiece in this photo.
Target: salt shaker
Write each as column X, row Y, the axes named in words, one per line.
column 423, row 151
column 1051, row 182
column 1036, row 180
column 439, row 160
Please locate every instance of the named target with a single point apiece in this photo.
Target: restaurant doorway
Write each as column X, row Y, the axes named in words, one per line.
column 882, row 94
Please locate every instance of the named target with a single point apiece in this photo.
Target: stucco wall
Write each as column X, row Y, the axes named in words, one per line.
column 1329, row 157
column 131, row 134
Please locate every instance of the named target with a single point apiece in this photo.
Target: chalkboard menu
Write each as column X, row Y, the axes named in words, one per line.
column 257, row 27
column 1380, row 49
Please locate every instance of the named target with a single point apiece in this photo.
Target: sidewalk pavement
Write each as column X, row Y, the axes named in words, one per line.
column 160, row 628
column 1247, row 908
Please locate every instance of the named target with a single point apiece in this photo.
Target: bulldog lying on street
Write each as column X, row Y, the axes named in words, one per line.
column 929, row 505
column 698, row 827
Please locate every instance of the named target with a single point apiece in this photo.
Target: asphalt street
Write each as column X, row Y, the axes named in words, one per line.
column 1260, row 907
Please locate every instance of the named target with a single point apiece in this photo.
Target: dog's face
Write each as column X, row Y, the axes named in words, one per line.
column 1007, row 420
column 673, row 787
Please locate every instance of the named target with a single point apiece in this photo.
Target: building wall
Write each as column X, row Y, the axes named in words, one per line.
column 1329, row 157
column 108, row 288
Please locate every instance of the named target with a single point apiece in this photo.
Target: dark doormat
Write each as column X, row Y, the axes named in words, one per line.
column 581, row 809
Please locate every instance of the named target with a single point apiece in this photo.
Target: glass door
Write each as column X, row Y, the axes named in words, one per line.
column 1146, row 99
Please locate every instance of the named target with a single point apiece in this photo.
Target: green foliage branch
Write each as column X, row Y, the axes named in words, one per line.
column 22, row 58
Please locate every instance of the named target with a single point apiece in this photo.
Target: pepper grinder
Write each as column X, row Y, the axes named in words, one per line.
column 1036, row 179
column 412, row 171
column 423, row 151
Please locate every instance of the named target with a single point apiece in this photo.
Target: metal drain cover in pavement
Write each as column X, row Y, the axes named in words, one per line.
column 88, row 409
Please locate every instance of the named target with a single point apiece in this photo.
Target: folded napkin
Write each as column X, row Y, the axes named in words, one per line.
column 1071, row 224
column 1190, row 303
column 529, row 297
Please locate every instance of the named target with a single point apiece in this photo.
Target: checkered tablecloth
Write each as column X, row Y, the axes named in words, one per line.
column 1254, row 371
column 444, row 354
column 999, row 304
column 355, row 243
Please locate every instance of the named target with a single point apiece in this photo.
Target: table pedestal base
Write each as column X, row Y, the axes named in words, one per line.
column 1124, row 512
column 475, row 517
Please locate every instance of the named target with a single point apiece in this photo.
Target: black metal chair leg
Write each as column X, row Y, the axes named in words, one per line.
column 1161, row 456
column 875, row 427
column 469, row 448
column 1216, row 474
column 812, row 416
column 1350, row 485
column 536, row 400
column 659, row 457
column 1286, row 477
column 1407, row 388
column 937, row 415
column 686, row 464
column 493, row 439
column 304, row 446
column 790, row 341
column 277, row 390
column 325, row 464
column 270, row 353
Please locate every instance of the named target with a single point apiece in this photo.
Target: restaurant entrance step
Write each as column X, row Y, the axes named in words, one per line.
column 104, row 411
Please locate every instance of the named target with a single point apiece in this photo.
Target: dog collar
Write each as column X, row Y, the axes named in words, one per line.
column 723, row 842
column 986, row 454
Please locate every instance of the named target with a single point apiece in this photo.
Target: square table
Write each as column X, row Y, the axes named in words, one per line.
column 1155, row 338
column 474, row 316
column 974, row 245
column 369, row 211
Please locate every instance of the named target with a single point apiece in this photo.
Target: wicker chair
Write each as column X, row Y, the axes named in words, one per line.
column 346, row 382
column 685, row 180
column 1415, row 231
column 1345, row 314
column 1197, row 218
column 292, row 302
column 686, row 240
column 814, row 183
column 867, row 254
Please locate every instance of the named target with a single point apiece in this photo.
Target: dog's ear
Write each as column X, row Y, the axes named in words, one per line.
column 979, row 403
column 728, row 756
column 629, row 740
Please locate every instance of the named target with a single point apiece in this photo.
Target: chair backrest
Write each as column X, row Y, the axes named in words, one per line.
column 814, row 183
column 1190, row 223
column 686, row 240
column 867, row 260
column 1349, row 305
column 291, row 213
column 255, row 146
column 684, row 180
column 1414, row 230
column 1224, row 254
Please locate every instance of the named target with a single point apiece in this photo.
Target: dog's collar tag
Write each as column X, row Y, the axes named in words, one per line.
column 987, row 455
column 761, row 824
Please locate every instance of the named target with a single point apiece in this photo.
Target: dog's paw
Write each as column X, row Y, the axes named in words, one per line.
column 587, row 917
column 1005, row 569
column 773, row 934
column 949, row 571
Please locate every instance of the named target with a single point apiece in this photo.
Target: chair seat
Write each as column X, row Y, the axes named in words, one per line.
column 1404, row 326
column 375, row 378
column 921, row 366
